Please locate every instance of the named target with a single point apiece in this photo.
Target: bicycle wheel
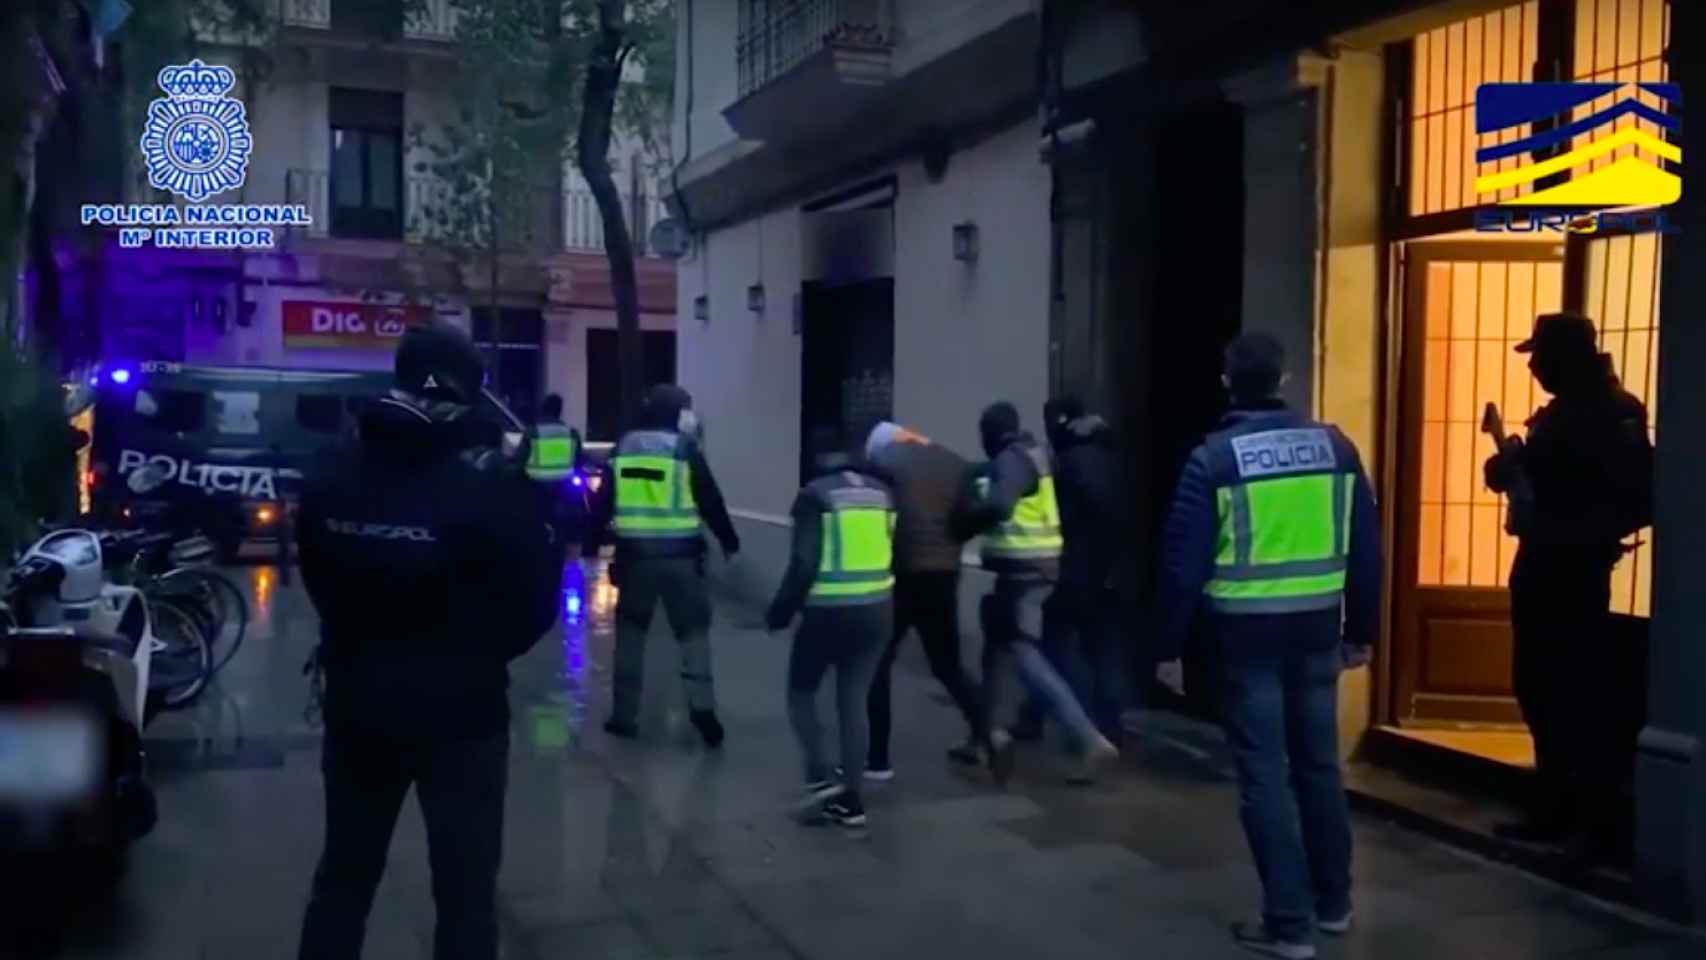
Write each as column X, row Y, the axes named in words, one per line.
column 228, row 610
column 181, row 663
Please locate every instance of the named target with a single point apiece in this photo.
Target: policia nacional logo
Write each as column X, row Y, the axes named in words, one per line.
column 196, row 142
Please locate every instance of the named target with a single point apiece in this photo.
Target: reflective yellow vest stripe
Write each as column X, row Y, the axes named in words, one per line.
column 654, row 490
column 1282, row 545
column 856, row 562
column 553, row 456
column 1033, row 531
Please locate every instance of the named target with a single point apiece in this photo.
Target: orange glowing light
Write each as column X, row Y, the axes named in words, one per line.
column 264, row 515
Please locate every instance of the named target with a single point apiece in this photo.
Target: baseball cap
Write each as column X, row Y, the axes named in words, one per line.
column 437, row 361
column 1566, row 332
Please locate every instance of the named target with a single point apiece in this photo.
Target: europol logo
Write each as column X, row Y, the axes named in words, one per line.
column 196, row 142
column 1635, row 179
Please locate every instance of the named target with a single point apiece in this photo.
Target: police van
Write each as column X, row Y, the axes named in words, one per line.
column 232, row 442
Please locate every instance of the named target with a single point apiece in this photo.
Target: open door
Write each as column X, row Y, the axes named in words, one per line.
column 1467, row 305
column 846, row 358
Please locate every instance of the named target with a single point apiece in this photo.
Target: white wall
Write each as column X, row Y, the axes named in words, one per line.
column 967, row 335
column 713, row 83
column 288, row 123
column 927, row 29
column 744, row 370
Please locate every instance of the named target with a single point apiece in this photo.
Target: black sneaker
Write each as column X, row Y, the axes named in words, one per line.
column 626, row 729
column 1255, row 937
column 709, row 727
column 969, row 754
column 845, row 810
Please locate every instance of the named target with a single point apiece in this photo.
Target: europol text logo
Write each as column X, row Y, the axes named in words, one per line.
column 196, row 145
column 1637, row 180
column 196, row 142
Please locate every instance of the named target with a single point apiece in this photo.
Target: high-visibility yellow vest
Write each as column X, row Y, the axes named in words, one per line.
column 654, row 489
column 856, row 562
column 1284, row 524
column 553, row 456
column 1032, row 533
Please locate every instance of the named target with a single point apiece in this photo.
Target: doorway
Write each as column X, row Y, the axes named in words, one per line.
column 846, row 359
column 604, row 376
column 514, row 354
column 1466, row 305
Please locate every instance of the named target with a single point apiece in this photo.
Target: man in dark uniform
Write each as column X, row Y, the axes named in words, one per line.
column 840, row 576
column 661, row 493
column 431, row 567
column 1579, row 484
column 1082, row 620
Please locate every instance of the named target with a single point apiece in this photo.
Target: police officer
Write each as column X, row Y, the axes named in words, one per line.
column 551, row 462
column 1019, row 519
column 662, row 491
column 1274, row 526
column 841, row 570
column 429, row 573
column 1579, row 484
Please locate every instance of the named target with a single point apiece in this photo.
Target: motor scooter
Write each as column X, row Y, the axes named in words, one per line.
column 75, row 658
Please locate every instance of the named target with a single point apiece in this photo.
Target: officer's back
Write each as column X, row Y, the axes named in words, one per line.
column 429, row 573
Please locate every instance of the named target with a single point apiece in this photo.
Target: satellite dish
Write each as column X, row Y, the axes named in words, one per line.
column 669, row 239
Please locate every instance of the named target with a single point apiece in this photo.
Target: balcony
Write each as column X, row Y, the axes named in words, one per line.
column 534, row 226
column 805, row 66
column 433, row 21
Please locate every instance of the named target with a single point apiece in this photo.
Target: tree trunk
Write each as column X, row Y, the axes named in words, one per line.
column 598, row 107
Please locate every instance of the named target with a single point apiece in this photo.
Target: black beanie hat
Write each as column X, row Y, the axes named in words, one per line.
column 438, row 362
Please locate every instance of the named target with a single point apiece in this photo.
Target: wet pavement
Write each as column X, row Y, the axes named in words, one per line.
column 660, row 849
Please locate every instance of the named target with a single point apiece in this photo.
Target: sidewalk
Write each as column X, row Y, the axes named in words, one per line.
column 658, row 849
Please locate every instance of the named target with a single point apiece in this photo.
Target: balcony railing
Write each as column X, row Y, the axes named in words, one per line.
column 314, row 14
column 529, row 226
column 435, row 21
column 777, row 35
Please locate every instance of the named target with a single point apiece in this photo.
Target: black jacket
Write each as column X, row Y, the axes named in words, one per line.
column 1092, row 511
column 928, row 480
column 1590, row 461
column 709, row 497
column 429, row 575
column 806, row 554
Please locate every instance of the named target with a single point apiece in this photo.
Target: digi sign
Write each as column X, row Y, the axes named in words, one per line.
column 312, row 324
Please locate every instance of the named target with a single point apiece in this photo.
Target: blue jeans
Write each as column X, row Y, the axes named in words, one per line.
column 1013, row 626
column 1282, row 675
column 1083, row 639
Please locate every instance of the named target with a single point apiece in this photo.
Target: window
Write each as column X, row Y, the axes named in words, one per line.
column 367, row 164
column 175, row 411
column 237, row 412
column 321, row 414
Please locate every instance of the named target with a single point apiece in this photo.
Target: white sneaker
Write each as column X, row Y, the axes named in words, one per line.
column 1338, row 926
column 1100, row 753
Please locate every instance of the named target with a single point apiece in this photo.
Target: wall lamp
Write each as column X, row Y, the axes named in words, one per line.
column 702, row 309
column 965, row 242
column 755, row 298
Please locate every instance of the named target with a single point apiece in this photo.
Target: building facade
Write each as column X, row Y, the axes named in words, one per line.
column 340, row 126
column 871, row 231
column 1333, row 202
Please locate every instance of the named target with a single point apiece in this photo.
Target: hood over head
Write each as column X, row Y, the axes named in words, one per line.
column 998, row 427
column 663, row 406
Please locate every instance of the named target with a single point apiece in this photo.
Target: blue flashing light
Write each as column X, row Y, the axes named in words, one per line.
column 121, row 376
column 94, row 381
column 576, row 480
column 572, row 603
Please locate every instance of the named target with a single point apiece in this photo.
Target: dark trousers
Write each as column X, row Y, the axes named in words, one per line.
column 850, row 640
column 929, row 602
column 1560, row 621
column 460, row 785
column 678, row 584
column 1281, row 718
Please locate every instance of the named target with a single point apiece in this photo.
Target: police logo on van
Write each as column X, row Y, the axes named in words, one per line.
column 252, row 483
column 1284, row 451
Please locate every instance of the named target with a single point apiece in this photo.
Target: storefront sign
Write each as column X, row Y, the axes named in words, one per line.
column 310, row 324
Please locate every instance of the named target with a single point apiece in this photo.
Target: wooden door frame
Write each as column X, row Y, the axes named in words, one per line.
column 1402, row 645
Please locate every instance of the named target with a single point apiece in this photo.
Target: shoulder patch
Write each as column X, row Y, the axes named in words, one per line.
column 1271, row 452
